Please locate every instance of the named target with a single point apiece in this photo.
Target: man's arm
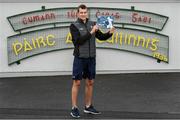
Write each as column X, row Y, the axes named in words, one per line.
column 77, row 38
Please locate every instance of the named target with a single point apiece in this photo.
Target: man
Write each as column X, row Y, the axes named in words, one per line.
column 83, row 34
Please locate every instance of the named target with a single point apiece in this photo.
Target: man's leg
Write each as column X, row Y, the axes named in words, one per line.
column 88, row 92
column 90, row 74
column 88, row 98
column 75, row 89
column 77, row 77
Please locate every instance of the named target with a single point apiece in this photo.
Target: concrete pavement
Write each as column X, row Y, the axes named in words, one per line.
column 122, row 96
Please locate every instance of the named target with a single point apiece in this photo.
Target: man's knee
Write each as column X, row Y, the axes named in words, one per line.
column 76, row 83
column 89, row 82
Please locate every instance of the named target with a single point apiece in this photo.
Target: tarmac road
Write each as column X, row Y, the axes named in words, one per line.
column 117, row 96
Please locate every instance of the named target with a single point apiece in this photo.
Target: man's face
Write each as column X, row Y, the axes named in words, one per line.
column 82, row 14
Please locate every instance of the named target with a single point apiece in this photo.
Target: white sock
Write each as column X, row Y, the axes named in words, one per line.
column 74, row 107
column 87, row 106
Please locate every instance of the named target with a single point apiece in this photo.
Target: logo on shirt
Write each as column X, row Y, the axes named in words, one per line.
column 81, row 29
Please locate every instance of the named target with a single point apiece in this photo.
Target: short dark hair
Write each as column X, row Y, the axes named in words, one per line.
column 82, row 6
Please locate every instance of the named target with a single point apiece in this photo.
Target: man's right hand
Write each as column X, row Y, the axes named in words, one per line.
column 94, row 29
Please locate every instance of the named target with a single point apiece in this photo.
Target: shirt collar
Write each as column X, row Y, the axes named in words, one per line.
column 81, row 21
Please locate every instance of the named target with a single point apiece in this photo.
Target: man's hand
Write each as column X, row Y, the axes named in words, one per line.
column 112, row 30
column 94, row 29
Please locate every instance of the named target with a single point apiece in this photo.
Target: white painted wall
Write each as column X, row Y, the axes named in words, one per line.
column 108, row 61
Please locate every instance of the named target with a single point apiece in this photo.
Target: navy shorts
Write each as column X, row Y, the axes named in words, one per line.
column 84, row 68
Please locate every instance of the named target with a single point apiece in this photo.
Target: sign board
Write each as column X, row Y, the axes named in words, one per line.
column 67, row 15
column 51, row 39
